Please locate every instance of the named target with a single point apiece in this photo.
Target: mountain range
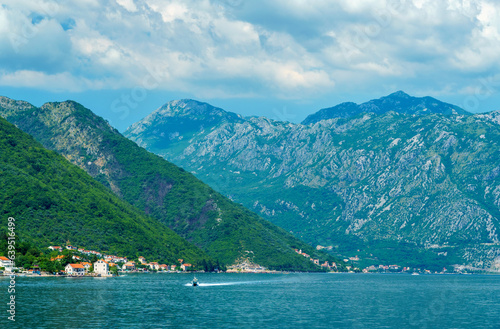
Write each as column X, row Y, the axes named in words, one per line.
column 161, row 191
column 398, row 179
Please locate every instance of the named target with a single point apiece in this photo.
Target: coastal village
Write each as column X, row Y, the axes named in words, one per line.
column 125, row 265
column 325, row 265
column 104, row 266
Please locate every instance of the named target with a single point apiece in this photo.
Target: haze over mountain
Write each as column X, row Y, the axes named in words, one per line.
column 224, row 230
column 398, row 179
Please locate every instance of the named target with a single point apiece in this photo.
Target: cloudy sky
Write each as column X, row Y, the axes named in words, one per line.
column 281, row 58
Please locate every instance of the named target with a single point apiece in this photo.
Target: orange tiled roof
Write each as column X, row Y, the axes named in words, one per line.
column 3, row 258
column 76, row 265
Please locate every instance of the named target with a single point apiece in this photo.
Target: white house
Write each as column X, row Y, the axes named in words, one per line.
column 129, row 266
column 101, row 267
column 154, row 266
column 6, row 263
column 87, row 266
column 186, row 267
column 74, row 269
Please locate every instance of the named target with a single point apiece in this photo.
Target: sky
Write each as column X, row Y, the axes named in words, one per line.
column 283, row 59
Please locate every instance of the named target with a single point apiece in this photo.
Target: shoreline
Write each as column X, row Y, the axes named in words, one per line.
column 7, row 275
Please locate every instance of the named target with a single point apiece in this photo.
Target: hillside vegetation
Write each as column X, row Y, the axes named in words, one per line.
column 53, row 201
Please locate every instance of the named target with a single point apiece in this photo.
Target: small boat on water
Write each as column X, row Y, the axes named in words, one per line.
column 194, row 282
column 415, row 273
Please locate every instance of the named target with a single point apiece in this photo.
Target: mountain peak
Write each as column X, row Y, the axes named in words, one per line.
column 183, row 115
column 188, row 103
column 12, row 106
column 191, row 108
column 398, row 101
column 399, row 94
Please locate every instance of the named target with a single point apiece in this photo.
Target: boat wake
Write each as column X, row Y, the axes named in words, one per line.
column 225, row 283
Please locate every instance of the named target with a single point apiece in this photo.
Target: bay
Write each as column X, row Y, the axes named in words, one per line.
column 256, row 301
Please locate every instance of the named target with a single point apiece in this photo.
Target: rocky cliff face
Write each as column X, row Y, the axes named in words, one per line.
column 70, row 129
column 369, row 184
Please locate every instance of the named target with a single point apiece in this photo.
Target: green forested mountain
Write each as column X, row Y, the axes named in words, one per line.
column 404, row 180
column 223, row 229
column 54, row 201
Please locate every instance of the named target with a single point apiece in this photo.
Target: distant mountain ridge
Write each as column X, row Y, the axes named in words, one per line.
column 417, row 181
column 224, row 230
column 399, row 102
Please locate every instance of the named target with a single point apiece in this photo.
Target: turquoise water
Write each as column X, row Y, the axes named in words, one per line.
column 256, row 301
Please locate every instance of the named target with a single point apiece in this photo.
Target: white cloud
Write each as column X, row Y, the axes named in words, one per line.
column 53, row 82
column 482, row 46
column 170, row 11
column 127, row 4
column 287, row 48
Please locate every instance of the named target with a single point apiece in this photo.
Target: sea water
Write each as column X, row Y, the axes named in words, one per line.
column 255, row 301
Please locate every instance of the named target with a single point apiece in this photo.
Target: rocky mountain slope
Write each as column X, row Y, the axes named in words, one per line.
column 54, row 201
column 399, row 179
column 225, row 230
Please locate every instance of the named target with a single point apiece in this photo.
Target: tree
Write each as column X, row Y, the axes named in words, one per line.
column 68, row 258
column 113, row 270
